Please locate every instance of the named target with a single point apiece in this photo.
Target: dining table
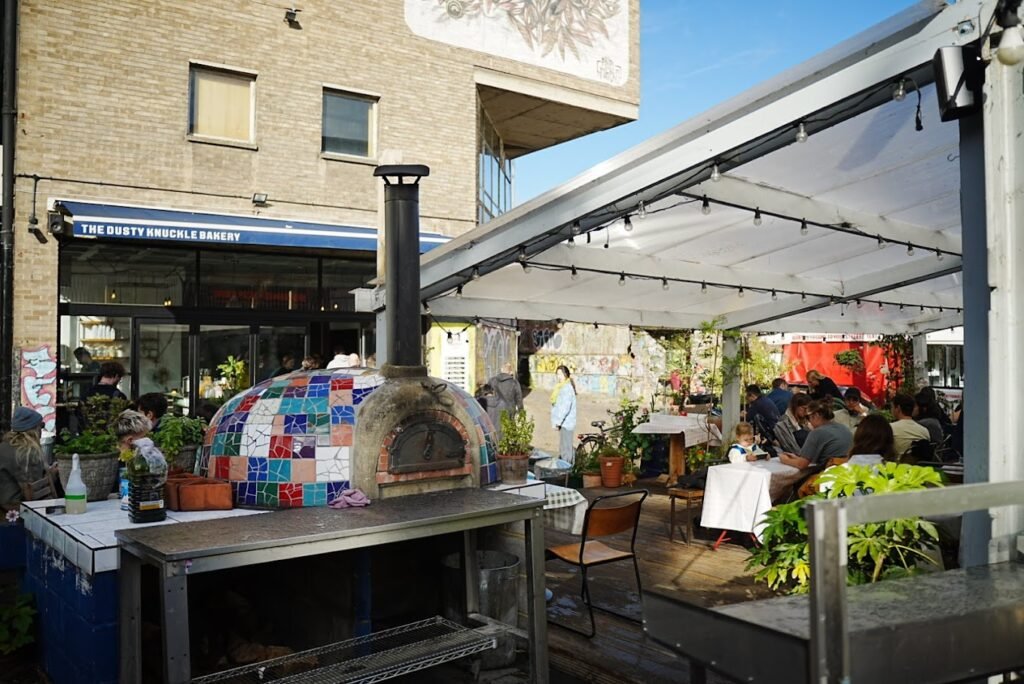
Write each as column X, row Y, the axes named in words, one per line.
column 683, row 431
column 737, row 495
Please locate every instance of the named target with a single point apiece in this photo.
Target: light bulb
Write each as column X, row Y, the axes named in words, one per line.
column 757, row 217
column 910, row 249
column 522, row 254
column 167, row 301
column 900, row 92
column 880, row 306
column 803, row 296
column 113, row 295
column 716, row 175
column 526, row 267
column 705, row 206
column 881, row 242
column 664, row 283
column 803, row 226
column 426, row 307
column 622, row 279
column 801, row 133
column 740, row 292
column 574, row 274
column 703, row 288
column 859, row 304
column 1011, row 46
column 939, row 256
column 570, row 243
column 641, row 210
column 627, row 224
column 775, row 296
column 476, row 274
column 575, row 228
column 458, row 292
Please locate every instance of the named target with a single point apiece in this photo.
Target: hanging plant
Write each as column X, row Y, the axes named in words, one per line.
column 851, row 359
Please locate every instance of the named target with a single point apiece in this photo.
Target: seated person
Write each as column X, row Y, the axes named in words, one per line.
column 872, row 444
column 129, row 427
column 923, row 415
column 905, row 429
column 853, row 410
column 761, row 412
column 780, row 394
column 21, row 456
column 152, row 405
column 792, row 429
column 827, row 440
column 745, row 449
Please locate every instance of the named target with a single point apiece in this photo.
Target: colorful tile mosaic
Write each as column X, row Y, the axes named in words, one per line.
column 287, row 441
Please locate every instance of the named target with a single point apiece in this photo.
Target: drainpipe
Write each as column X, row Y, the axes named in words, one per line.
column 10, row 115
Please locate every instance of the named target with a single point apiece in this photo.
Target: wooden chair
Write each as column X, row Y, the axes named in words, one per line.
column 694, row 499
column 602, row 521
column 43, row 488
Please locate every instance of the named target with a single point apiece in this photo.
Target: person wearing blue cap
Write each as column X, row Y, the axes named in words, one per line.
column 21, row 456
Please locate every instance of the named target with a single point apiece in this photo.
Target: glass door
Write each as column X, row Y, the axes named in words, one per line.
column 225, row 366
column 162, row 353
column 281, row 349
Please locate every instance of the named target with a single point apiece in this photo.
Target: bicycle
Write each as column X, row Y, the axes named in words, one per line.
column 592, row 442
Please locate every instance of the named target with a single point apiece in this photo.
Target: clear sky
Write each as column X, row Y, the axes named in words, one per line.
column 695, row 54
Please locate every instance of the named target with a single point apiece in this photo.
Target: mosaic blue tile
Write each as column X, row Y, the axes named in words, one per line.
column 258, row 468
column 343, row 414
column 280, row 470
column 295, row 424
column 334, row 489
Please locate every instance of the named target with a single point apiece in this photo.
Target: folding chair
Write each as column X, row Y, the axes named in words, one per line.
column 602, row 521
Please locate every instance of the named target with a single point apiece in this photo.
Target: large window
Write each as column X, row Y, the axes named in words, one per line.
column 221, row 104
column 349, row 124
column 96, row 273
column 254, row 280
column 494, row 185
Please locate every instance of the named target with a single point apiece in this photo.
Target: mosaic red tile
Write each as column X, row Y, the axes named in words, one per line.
column 341, row 384
column 289, row 494
column 281, row 446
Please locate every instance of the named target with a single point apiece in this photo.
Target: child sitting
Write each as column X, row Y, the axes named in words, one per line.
column 745, row 449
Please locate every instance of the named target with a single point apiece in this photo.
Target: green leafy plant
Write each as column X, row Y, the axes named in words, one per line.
column 697, row 457
column 851, row 359
column 899, row 357
column 621, row 436
column 877, row 551
column 587, row 463
column 178, row 432
column 234, row 373
column 99, row 413
column 516, row 433
column 16, row 624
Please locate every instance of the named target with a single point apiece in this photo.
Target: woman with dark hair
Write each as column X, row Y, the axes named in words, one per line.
column 792, row 429
column 827, row 439
column 563, row 412
column 873, row 442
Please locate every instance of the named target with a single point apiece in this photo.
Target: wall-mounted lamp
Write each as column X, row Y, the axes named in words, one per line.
column 260, row 198
column 291, row 17
column 167, row 301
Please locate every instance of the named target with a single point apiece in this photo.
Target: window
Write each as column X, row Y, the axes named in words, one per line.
column 349, row 125
column 494, row 184
column 221, row 104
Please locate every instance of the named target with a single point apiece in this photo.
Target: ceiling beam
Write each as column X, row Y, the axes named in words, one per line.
column 469, row 307
column 860, row 287
column 742, row 193
column 851, row 325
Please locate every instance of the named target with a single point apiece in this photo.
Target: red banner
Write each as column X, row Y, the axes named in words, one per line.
column 821, row 356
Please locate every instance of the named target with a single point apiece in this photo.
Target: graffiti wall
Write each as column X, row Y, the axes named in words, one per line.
column 608, row 360
column 38, row 367
column 495, row 346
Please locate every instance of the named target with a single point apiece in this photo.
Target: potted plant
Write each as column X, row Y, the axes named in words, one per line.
column 234, row 375
column 515, row 446
column 178, row 438
column 95, row 445
column 611, row 460
column 588, row 468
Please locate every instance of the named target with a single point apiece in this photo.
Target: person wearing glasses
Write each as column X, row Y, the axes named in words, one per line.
column 827, row 439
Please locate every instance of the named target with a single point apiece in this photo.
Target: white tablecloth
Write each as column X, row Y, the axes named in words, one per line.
column 737, row 495
column 564, row 509
column 695, row 428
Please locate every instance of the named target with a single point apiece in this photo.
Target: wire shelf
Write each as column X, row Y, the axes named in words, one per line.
column 372, row 658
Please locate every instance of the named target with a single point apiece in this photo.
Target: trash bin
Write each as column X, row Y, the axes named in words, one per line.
column 499, row 598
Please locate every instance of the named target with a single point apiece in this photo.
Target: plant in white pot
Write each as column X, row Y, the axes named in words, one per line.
column 515, row 446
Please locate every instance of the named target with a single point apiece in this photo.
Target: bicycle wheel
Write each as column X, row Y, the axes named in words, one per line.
column 588, row 446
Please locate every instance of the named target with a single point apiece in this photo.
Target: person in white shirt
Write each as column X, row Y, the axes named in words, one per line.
column 745, row 449
column 340, row 360
column 905, row 429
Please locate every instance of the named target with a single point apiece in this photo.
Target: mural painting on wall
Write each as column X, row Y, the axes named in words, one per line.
column 495, row 347
column 39, row 383
column 586, row 38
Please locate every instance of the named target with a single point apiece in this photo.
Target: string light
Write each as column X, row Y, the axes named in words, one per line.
column 575, row 228
column 900, row 92
column 574, row 274
column 880, row 306
column 705, row 206
column 522, row 254
column 664, row 283
column 595, row 325
column 739, row 292
column 167, row 301
column 757, row 217
column 801, row 133
column 526, row 267
column 716, row 175
column 938, row 254
column 627, row 224
column 881, row 242
column 803, row 226
column 901, row 306
column 426, row 307
column 859, row 304
column 607, row 237
column 476, row 274
column 570, row 243
column 451, row 337
column 775, row 296
column 910, row 249
column 622, row 279
column 113, row 295
column 703, row 287
column 458, row 292
column 641, row 210
column 803, row 296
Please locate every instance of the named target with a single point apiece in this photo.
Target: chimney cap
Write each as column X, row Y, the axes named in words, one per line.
column 401, row 171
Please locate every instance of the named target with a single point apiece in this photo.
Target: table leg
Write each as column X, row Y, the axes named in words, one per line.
column 174, row 624
column 676, row 457
column 129, row 580
column 536, row 605
column 672, row 518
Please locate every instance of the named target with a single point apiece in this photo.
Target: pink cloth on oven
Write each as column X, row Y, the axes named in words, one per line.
column 350, row 498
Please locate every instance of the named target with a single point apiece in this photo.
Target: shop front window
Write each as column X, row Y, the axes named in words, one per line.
column 86, row 342
column 97, row 273
column 224, row 364
column 163, row 360
column 341, row 276
column 267, row 282
column 280, row 348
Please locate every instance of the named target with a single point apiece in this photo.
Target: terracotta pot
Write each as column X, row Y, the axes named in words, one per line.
column 611, row 471
column 591, row 480
column 512, row 468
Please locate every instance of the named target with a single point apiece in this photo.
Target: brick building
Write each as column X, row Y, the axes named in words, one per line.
column 194, row 180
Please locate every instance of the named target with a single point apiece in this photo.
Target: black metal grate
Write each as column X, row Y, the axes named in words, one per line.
column 371, row 658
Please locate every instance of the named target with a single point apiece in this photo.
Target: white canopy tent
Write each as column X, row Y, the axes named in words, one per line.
column 863, row 173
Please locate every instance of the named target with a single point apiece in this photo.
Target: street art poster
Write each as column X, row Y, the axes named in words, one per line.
column 585, row 38
column 39, row 383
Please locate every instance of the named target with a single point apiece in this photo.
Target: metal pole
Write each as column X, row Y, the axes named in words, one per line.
column 830, row 649
column 402, row 245
column 1003, row 115
column 977, row 525
column 10, row 115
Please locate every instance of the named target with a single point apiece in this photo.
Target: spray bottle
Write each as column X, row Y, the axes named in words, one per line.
column 75, row 492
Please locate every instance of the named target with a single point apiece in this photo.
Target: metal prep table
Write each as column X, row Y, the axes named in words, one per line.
column 181, row 550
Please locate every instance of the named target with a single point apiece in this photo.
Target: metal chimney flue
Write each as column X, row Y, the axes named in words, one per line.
column 402, row 261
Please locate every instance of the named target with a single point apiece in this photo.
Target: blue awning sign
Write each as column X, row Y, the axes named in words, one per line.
column 109, row 221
